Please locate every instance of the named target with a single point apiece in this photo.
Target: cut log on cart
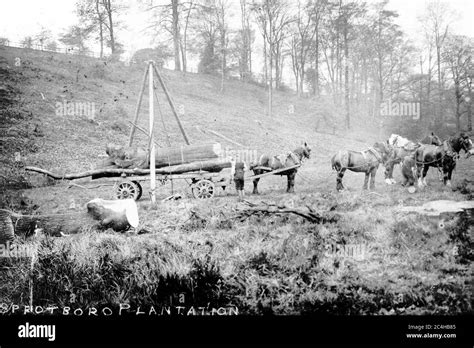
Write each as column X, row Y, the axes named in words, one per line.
column 212, row 166
column 136, row 157
column 127, row 181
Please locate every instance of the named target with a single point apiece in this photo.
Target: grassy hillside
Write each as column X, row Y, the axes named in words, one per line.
column 238, row 112
column 279, row 264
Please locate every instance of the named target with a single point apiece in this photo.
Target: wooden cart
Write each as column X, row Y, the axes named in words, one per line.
column 203, row 185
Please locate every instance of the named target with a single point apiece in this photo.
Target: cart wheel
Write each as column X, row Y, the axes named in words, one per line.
column 203, row 189
column 128, row 189
column 140, row 190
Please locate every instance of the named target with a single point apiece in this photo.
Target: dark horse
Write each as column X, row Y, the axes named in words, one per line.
column 443, row 157
column 366, row 161
column 403, row 147
column 268, row 163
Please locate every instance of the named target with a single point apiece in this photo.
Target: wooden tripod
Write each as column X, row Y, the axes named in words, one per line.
column 150, row 72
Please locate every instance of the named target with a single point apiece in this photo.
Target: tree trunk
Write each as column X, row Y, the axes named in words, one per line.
column 270, row 84
column 316, row 65
column 101, row 29
column 185, row 38
column 440, row 97
column 224, row 59
column 469, row 117
column 346, row 77
column 175, row 14
column 108, row 7
column 265, row 61
column 457, row 93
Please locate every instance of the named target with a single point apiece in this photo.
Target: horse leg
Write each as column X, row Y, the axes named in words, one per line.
column 255, row 187
column 419, row 169
column 340, row 175
column 389, row 180
column 366, row 180
column 440, row 174
column 405, row 180
column 425, row 171
column 255, row 182
column 450, row 173
column 448, row 168
column 291, row 183
column 372, row 178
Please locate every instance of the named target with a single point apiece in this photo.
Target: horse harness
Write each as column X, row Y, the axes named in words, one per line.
column 373, row 152
column 283, row 157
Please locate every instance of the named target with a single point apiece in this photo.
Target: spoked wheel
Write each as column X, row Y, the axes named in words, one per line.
column 203, row 189
column 128, row 189
column 140, row 190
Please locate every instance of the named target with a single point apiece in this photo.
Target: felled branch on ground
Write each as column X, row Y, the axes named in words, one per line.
column 270, row 208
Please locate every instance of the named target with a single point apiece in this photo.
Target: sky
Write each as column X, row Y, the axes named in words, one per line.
column 20, row 18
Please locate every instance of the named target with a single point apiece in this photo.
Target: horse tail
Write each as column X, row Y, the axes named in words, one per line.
column 336, row 162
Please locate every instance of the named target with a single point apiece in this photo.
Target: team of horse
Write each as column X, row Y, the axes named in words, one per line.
column 415, row 159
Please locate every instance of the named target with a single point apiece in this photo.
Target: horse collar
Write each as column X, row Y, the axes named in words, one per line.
column 376, row 154
column 296, row 158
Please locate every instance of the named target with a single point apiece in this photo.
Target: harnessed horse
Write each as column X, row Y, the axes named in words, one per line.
column 443, row 157
column 271, row 163
column 403, row 147
column 366, row 161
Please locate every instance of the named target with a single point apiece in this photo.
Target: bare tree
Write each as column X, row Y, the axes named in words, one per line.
column 458, row 57
column 436, row 20
column 110, row 9
column 92, row 16
column 75, row 37
column 273, row 20
column 175, row 19
column 303, row 33
column 27, row 42
column 245, row 59
column 43, row 37
column 188, row 8
column 223, row 28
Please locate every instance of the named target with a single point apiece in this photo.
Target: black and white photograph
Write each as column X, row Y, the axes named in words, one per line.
column 208, row 171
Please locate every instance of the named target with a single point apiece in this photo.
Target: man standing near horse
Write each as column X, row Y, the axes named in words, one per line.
column 238, row 175
column 403, row 147
column 269, row 164
column 443, row 156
